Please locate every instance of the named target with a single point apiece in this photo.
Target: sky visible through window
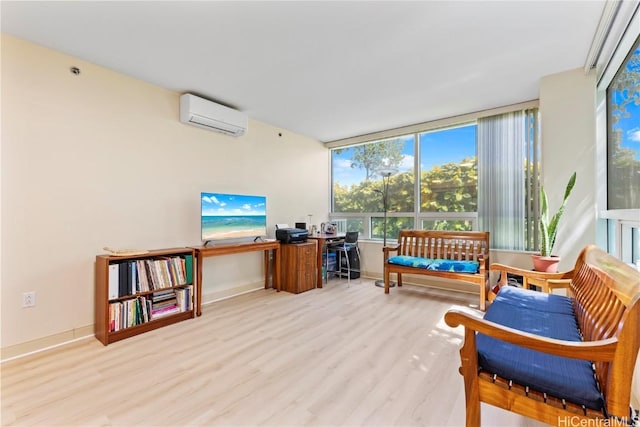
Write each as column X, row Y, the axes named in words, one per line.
column 444, row 146
column 629, row 124
column 631, row 129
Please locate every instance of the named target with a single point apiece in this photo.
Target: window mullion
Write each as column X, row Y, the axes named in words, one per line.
column 417, row 182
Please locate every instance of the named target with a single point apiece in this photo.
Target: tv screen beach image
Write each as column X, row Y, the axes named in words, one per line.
column 231, row 216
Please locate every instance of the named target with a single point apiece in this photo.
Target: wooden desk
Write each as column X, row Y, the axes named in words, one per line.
column 322, row 240
column 237, row 248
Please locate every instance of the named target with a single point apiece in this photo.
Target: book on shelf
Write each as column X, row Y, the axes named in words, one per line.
column 114, row 281
column 150, row 275
column 113, row 316
column 180, row 299
column 133, row 278
column 164, row 304
column 165, row 311
column 174, row 272
column 143, row 280
column 179, row 265
column 123, row 279
column 162, row 281
column 130, row 313
column 184, row 297
column 163, row 295
column 188, row 267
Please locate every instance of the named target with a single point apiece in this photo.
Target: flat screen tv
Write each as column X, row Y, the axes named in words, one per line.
column 232, row 216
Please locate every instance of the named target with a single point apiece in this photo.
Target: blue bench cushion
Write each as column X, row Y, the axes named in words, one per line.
column 454, row 266
column 541, row 314
column 436, row 264
column 410, row 261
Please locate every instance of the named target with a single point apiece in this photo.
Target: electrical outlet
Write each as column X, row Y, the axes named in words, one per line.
column 29, row 299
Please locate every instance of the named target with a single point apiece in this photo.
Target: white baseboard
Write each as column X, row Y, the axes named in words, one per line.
column 45, row 343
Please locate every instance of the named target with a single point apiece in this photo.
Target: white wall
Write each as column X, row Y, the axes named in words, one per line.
column 101, row 159
column 567, row 108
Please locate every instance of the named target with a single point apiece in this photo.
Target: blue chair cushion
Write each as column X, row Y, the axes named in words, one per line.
column 454, row 266
column 410, row 261
column 549, row 316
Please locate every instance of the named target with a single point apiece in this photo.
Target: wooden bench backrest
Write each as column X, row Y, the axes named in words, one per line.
column 606, row 295
column 453, row 245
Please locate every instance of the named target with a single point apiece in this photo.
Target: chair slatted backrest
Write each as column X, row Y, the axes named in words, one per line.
column 606, row 294
column 412, row 243
column 351, row 237
column 462, row 246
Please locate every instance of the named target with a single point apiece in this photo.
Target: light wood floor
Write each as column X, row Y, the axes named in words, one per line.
column 337, row 356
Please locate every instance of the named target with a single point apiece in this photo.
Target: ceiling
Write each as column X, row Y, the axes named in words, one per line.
column 325, row 69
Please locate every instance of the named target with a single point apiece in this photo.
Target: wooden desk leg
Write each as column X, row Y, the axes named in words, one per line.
column 276, row 261
column 266, row 268
column 199, row 283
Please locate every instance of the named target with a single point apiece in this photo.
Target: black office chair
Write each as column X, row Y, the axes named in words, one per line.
column 347, row 247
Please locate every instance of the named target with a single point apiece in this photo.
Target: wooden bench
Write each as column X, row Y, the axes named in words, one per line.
column 457, row 246
column 603, row 304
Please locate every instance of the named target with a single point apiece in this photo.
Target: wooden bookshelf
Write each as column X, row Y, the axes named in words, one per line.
column 152, row 290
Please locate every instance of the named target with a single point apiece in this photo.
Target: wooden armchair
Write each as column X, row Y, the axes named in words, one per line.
column 547, row 282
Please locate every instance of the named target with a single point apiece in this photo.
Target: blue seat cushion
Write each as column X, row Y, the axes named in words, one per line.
column 435, row 264
column 537, row 301
column 549, row 316
column 454, row 266
column 410, row 261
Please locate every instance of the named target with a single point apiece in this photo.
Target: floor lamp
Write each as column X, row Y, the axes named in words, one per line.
column 386, row 174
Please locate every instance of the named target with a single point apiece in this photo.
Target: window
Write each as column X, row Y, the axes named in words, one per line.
column 622, row 97
column 444, row 198
column 623, row 134
column 357, row 179
column 448, row 178
column 357, row 186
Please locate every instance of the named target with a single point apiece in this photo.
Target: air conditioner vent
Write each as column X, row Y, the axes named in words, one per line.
column 207, row 114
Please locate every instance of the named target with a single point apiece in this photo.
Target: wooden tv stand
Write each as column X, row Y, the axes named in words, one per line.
column 237, row 248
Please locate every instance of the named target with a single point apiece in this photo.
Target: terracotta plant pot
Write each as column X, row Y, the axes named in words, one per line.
column 546, row 264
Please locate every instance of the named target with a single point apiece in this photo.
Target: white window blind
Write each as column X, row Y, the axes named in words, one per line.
column 508, row 179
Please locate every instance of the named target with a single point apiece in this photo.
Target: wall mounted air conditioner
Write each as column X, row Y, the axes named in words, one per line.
column 207, row 114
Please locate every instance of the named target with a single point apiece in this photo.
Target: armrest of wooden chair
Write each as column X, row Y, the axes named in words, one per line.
column 547, row 281
column 387, row 249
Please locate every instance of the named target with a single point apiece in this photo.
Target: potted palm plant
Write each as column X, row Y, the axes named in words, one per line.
column 546, row 261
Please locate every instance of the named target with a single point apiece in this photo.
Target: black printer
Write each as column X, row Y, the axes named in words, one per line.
column 292, row 235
